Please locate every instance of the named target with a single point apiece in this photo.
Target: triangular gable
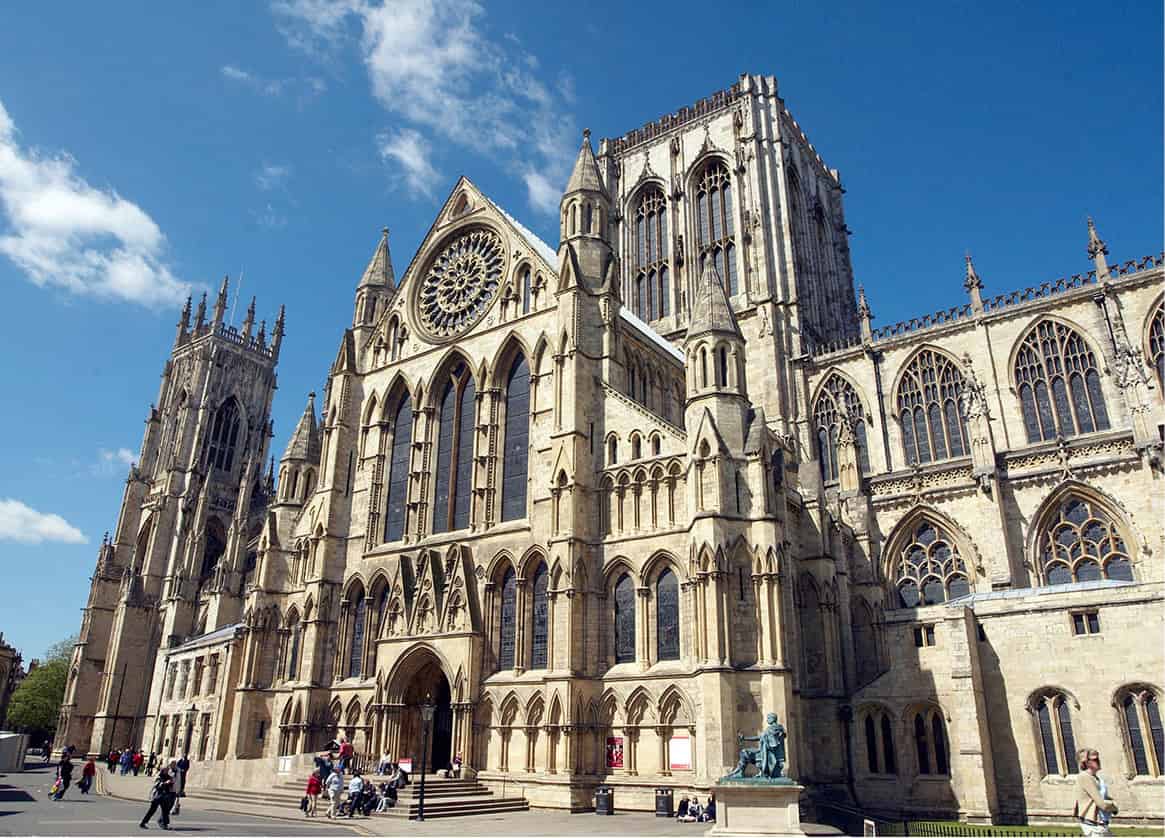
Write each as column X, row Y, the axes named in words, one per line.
column 460, row 611
column 706, row 430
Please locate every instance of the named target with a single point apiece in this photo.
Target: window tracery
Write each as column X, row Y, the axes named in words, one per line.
column 1156, row 351
column 541, row 629
column 879, row 735
column 838, row 399
column 454, row 452
column 356, row 643
column 398, row 471
column 224, row 435
column 1081, row 544
column 624, row 620
column 1140, row 713
column 1059, row 384
column 667, row 616
column 651, row 283
column 930, row 569
column 509, row 613
column 461, row 282
column 930, row 742
column 515, row 451
column 715, row 224
column 933, row 427
column 1057, row 742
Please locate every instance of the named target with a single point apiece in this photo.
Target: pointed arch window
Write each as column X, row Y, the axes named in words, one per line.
column 526, row 290
column 541, row 632
column 454, row 452
column 293, row 653
column 508, row 623
column 516, row 447
column 930, row 569
column 1058, row 381
column 624, row 620
column 398, row 471
column 667, row 616
column 933, row 427
column 879, row 734
column 930, row 742
column 356, row 643
column 1057, row 742
column 838, row 399
column 1156, row 351
column 1140, row 714
column 715, row 224
column 1082, row 543
column 224, row 435
column 651, row 256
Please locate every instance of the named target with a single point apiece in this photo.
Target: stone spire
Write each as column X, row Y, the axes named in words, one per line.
column 200, row 317
column 305, row 441
column 585, row 177
column 183, row 321
column 865, row 316
column 1097, row 250
column 249, row 322
column 711, row 311
column 220, row 305
column 277, row 334
column 379, row 271
column 973, row 286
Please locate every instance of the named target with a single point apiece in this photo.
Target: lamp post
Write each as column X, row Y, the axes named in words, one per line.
column 427, row 709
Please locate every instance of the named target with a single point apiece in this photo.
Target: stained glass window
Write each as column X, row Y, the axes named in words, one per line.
column 1141, row 720
column 667, row 616
column 624, row 620
column 891, row 764
column 1157, row 344
column 651, row 293
column 1082, row 543
column 541, row 613
column 1059, row 383
column 715, row 223
column 1133, row 728
column 871, row 745
column 1047, row 738
column 517, row 442
column 928, row 407
column 930, row 569
column 293, row 653
column 838, row 398
column 398, row 472
column 509, row 612
column 356, row 646
column 224, row 435
column 455, row 453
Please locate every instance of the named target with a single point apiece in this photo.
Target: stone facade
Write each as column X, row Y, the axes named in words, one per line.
column 11, row 673
column 604, row 505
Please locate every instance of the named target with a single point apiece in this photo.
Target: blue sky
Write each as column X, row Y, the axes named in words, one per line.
column 149, row 148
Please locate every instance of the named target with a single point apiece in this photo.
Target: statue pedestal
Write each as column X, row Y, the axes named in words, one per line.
column 752, row 807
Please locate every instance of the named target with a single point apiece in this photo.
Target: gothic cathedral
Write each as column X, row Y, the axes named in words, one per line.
column 604, row 505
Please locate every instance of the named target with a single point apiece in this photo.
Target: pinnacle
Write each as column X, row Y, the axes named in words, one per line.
column 379, row 271
column 972, row 280
column 711, row 311
column 585, row 176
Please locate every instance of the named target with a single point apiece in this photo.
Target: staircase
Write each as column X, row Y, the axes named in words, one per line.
column 444, row 798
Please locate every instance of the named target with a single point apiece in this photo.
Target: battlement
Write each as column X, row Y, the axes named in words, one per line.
column 718, row 101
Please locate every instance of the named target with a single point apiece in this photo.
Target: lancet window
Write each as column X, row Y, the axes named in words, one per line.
column 224, row 435
column 667, row 616
column 1082, row 543
column 516, row 445
column 508, row 623
column 930, row 741
column 356, row 642
column 1157, row 345
column 398, row 471
column 930, row 569
column 1140, row 714
column 1059, row 384
column 715, row 225
column 651, row 286
column 928, row 408
column 454, row 452
column 624, row 620
column 1057, row 742
column 541, row 632
column 838, row 399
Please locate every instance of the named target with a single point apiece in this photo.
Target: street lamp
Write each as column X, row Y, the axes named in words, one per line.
column 427, row 709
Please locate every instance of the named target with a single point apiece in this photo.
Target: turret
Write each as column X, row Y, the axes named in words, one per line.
column 585, row 216
column 715, row 368
column 376, row 285
column 183, row 322
column 299, row 465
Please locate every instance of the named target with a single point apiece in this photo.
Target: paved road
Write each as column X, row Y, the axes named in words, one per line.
column 26, row 810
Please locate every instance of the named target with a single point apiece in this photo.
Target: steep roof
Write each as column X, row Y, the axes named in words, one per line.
column 711, row 311
column 305, row 442
column 379, row 270
column 586, row 170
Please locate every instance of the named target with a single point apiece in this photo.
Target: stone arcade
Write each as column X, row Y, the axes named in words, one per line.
column 607, row 503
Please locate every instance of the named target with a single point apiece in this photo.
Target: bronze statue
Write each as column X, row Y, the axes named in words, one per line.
column 768, row 756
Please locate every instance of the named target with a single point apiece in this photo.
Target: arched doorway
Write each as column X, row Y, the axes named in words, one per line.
column 420, row 677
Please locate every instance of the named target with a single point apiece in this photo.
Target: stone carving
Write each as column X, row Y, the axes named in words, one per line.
column 768, row 757
column 461, row 283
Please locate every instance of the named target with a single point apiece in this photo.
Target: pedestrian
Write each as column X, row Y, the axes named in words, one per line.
column 88, row 772
column 355, row 792
column 335, row 786
column 64, row 772
column 137, row 761
column 114, row 756
column 1094, row 808
column 162, row 797
column 48, row 753
column 346, row 752
column 456, row 771
column 126, row 761
column 314, row 787
column 181, row 774
column 151, row 764
column 325, row 762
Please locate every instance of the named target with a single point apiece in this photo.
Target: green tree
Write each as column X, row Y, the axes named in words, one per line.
column 36, row 704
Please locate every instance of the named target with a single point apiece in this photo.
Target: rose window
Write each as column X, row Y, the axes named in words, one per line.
column 461, row 283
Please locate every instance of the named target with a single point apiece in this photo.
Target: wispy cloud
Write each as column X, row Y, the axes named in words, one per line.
column 411, row 152
column 304, row 88
column 112, row 461
column 431, row 63
column 269, row 217
column 272, row 176
column 64, row 233
column 20, row 522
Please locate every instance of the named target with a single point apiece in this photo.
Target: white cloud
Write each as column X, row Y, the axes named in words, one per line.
column 64, row 233
column 541, row 191
column 20, row 522
column 307, row 88
column 271, row 176
column 269, row 218
column 431, row 63
column 112, row 461
column 411, row 152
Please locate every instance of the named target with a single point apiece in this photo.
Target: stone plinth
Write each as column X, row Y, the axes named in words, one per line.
column 752, row 807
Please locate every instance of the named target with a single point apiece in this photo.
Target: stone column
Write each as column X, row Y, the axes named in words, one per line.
column 642, row 650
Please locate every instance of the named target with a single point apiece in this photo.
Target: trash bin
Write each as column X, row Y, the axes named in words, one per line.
column 604, row 800
column 664, row 803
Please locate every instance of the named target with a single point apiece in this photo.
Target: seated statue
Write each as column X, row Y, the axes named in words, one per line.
column 769, row 754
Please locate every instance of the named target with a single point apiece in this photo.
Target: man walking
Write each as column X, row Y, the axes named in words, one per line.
column 355, row 793
column 161, row 797
column 64, row 772
column 181, row 771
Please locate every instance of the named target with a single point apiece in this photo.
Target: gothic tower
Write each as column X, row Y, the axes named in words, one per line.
column 177, row 563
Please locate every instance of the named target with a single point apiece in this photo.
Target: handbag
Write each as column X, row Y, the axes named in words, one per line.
column 303, row 804
column 56, row 787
